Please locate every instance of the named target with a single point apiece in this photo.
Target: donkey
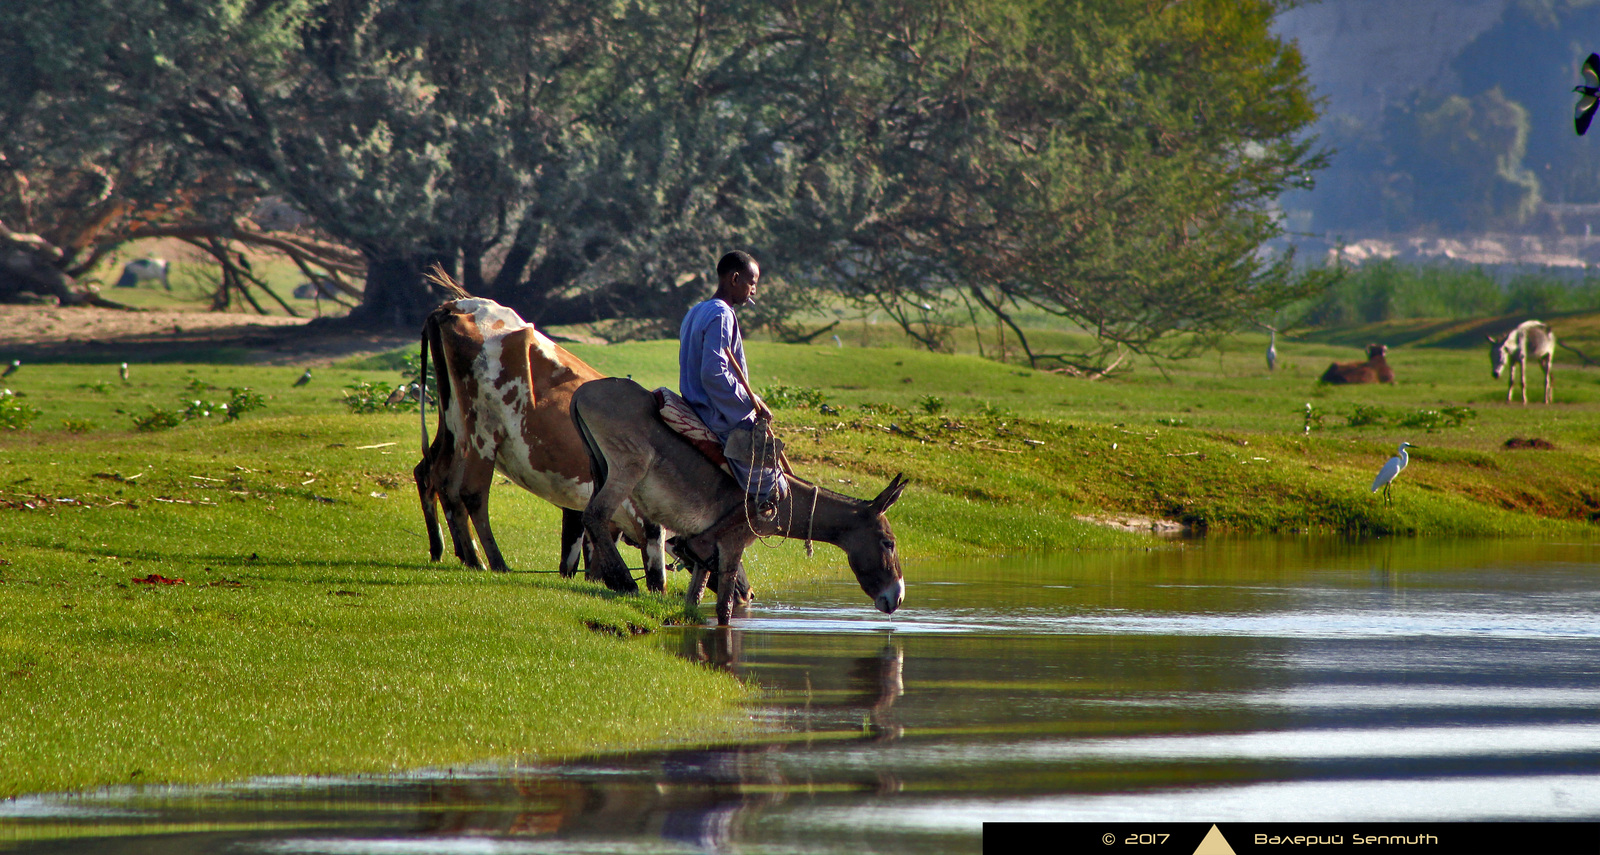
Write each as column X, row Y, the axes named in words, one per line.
column 1530, row 338
column 637, row 457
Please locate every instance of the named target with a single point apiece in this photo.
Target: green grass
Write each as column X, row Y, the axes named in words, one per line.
column 312, row 635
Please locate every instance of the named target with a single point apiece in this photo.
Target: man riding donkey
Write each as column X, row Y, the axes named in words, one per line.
column 714, row 380
column 667, row 454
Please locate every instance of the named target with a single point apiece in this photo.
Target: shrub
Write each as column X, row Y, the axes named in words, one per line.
column 1364, row 415
column 1432, row 420
column 156, row 419
column 242, row 400
column 77, row 425
column 14, row 414
column 364, row 397
column 931, row 404
column 793, row 397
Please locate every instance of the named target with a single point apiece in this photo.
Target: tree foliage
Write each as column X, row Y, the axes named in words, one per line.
column 1110, row 161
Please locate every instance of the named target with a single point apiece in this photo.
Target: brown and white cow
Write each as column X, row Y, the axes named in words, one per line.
column 504, row 395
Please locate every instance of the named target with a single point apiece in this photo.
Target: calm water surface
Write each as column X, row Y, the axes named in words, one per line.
column 1219, row 680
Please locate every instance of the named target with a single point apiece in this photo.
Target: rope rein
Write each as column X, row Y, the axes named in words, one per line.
column 768, row 439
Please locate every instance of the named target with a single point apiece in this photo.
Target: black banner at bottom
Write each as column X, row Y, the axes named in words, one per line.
column 1283, row 838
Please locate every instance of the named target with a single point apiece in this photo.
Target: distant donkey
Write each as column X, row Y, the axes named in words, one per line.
column 1375, row 370
column 1530, row 338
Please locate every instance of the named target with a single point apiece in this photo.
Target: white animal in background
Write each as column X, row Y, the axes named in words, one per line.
column 1530, row 338
column 1272, row 351
column 141, row 269
column 1390, row 469
column 123, row 371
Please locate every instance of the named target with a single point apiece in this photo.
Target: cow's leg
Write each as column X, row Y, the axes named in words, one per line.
column 430, row 513
column 655, row 558
column 571, row 541
column 603, row 505
column 457, row 520
column 478, row 511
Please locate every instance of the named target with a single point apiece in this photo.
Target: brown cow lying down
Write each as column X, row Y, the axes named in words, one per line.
column 504, row 396
column 1374, row 370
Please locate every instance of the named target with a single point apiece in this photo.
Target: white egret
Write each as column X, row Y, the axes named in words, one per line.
column 1391, row 469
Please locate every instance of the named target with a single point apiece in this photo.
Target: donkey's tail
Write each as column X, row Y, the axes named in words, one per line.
column 598, row 468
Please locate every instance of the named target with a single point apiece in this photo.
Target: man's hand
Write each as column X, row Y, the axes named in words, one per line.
column 762, row 413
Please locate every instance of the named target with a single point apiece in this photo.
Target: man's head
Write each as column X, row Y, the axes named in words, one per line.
column 737, row 275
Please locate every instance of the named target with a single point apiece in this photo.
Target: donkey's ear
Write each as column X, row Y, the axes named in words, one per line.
column 890, row 494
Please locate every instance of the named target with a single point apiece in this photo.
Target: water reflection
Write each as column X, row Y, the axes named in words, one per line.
column 1218, row 680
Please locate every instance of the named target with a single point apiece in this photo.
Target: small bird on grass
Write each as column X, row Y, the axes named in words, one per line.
column 1588, row 94
column 12, row 368
column 123, row 371
column 1390, row 469
column 398, row 395
column 304, row 378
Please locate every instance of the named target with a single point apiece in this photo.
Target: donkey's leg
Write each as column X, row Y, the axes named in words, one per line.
column 571, row 541
column 697, row 586
column 730, row 562
column 1522, row 361
column 597, row 518
column 1549, row 362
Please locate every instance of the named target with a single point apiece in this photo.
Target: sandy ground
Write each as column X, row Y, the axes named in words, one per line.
column 53, row 334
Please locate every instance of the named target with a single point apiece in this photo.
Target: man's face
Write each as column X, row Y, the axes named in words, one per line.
column 742, row 288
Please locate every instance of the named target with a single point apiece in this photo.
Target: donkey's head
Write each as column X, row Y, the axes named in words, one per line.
column 1497, row 352
column 869, row 545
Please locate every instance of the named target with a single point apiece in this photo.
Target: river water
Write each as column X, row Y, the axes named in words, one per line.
column 1211, row 681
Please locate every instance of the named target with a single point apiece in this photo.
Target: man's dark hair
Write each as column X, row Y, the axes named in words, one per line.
column 737, row 261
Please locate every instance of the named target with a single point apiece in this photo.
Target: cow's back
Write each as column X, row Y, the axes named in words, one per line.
column 520, row 394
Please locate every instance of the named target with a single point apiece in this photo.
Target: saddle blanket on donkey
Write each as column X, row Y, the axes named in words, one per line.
column 681, row 417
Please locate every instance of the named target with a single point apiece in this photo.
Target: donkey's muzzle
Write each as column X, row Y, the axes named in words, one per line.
column 891, row 597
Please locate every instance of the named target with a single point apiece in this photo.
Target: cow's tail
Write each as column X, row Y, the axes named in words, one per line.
column 422, row 386
column 597, row 460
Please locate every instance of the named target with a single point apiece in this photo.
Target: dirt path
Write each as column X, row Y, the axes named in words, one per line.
column 56, row 334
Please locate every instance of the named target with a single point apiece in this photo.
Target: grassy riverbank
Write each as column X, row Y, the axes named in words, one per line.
column 311, row 635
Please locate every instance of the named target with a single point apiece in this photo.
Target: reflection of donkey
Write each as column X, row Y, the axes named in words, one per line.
column 636, row 456
column 1530, row 338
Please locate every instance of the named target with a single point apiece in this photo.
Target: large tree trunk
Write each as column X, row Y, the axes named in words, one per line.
column 397, row 294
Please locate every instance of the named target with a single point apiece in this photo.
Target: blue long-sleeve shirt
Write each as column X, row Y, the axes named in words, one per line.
column 705, row 378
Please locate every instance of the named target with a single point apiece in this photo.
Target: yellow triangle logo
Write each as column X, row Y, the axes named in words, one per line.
column 1214, row 844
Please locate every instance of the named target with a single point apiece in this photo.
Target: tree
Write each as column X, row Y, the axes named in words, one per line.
column 84, row 166
column 1111, row 161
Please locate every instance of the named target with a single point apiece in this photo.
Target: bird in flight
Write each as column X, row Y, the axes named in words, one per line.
column 1588, row 94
